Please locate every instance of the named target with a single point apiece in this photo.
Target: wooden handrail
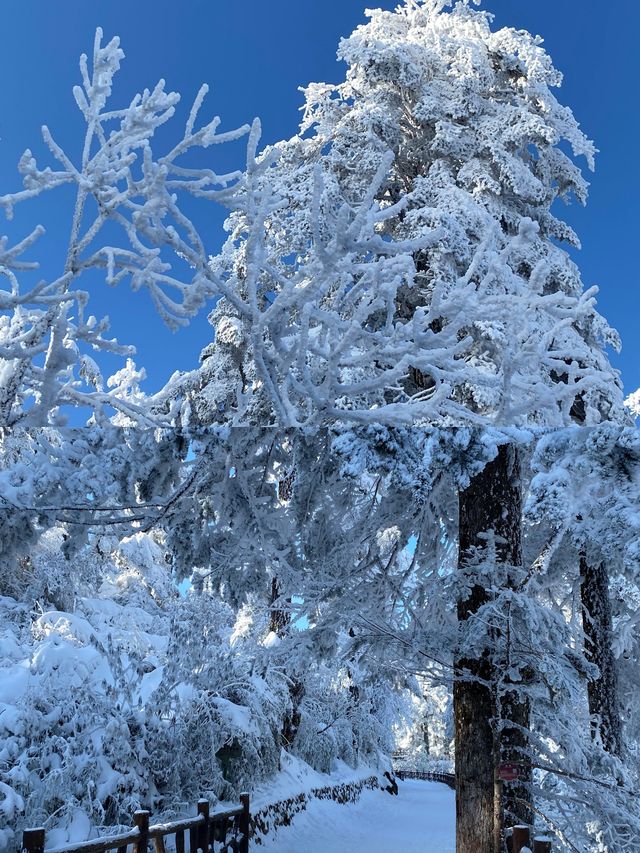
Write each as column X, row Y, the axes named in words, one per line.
column 173, row 826
column 201, row 833
column 97, row 845
column 519, row 838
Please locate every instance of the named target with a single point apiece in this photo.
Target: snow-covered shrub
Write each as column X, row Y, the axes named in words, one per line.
column 135, row 697
column 224, row 715
column 69, row 723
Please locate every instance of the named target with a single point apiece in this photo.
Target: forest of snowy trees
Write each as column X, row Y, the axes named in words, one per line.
column 396, row 505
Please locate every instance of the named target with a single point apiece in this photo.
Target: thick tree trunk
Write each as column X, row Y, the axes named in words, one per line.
column 596, row 620
column 474, row 760
column 516, row 807
column 490, row 504
column 515, row 707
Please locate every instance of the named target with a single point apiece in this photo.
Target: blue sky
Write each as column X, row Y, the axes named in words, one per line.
column 255, row 54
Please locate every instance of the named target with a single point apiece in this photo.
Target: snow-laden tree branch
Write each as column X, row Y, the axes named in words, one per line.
column 122, row 188
column 398, row 258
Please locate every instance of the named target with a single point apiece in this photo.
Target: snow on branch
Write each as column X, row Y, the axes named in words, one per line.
column 398, row 260
column 119, row 182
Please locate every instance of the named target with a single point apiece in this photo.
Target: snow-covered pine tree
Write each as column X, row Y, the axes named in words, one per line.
column 585, row 489
column 418, row 198
column 581, row 520
column 446, row 143
column 62, row 486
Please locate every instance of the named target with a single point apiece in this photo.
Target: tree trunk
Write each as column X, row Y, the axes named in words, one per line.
column 516, row 807
column 515, row 707
column 279, row 621
column 490, row 504
column 474, row 762
column 596, row 620
column 425, row 736
column 279, row 618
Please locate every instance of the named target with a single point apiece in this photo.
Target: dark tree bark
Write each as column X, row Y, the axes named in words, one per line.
column 490, row 504
column 515, row 707
column 596, row 620
column 279, row 621
column 279, row 618
column 425, row 736
column 516, row 807
column 474, row 761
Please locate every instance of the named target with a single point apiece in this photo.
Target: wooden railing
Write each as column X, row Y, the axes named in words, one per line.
column 520, row 839
column 217, row 832
column 227, row 831
column 427, row 776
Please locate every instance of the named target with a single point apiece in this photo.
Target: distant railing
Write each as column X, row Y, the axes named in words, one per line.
column 217, row 832
column 427, row 776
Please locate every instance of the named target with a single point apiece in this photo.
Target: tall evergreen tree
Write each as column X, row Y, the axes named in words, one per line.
column 446, row 141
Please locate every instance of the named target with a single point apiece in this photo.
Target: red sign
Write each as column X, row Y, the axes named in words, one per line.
column 508, row 772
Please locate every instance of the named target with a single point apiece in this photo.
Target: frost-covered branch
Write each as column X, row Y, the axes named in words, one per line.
column 122, row 187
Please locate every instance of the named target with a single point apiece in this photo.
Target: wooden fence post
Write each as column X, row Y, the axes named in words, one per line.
column 521, row 838
column 141, row 820
column 541, row 845
column 203, row 830
column 33, row 840
column 180, row 841
column 243, row 824
column 193, row 839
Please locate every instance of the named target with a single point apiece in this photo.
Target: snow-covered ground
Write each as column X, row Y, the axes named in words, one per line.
column 420, row 820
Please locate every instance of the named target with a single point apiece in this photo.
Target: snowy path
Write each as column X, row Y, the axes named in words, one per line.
column 419, row 820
